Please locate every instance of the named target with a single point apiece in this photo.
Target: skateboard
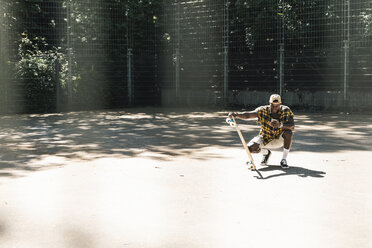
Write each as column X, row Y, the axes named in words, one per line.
column 232, row 122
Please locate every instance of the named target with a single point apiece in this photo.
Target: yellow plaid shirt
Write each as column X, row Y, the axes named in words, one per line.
column 267, row 132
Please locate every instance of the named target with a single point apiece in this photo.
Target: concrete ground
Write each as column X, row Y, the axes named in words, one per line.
column 151, row 177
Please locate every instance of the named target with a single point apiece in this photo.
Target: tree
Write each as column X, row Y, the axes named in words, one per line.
column 37, row 70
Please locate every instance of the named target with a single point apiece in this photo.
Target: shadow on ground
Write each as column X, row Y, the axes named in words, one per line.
column 291, row 171
column 333, row 132
column 25, row 139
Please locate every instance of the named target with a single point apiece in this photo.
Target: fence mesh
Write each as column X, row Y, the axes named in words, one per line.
column 60, row 55
column 192, row 42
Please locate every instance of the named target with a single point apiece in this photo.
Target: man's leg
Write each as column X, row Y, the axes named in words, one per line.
column 254, row 145
column 287, row 136
column 254, row 148
column 265, row 156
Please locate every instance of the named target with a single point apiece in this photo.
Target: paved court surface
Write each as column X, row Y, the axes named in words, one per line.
column 150, row 177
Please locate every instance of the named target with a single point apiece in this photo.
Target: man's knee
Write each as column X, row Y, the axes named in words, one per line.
column 287, row 134
column 255, row 148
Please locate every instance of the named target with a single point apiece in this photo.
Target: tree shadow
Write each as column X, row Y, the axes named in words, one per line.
column 162, row 134
column 2, row 229
column 85, row 136
column 291, row 171
column 332, row 132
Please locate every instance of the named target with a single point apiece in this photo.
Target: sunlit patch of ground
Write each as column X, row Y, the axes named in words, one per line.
column 165, row 178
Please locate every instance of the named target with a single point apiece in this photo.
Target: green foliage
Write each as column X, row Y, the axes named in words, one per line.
column 40, row 69
column 297, row 20
column 125, row 24
column 366, row 18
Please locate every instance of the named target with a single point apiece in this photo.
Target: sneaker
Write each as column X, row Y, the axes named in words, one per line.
column 265, row 158
column 284, row 164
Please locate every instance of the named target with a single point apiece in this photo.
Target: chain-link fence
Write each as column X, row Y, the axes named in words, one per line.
column 61, row 55
column 193, row 43
column 317, row 54
column 64, row 55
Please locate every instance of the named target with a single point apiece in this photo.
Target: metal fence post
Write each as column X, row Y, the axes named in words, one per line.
column 69, row 54
column 281, row 39
column 281, row 68
column 3, row 83
column 7, row 102
column 346, row 53
column 346, row 69
column 57, row 68
column 226, row 51
column 177, row 72
column 129, row 74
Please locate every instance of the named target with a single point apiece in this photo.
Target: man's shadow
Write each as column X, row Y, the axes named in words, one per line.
column 292, row 170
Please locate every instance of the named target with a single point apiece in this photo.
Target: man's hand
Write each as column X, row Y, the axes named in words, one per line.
column 232, row 114
column 244, row 115
column 275, row 123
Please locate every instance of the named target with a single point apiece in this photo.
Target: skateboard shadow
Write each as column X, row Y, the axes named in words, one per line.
column 293, row 170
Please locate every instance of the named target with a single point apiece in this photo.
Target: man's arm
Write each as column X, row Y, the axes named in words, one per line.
column 287, row 124
column 244, row 115
column 290, row 125
column 285, row 127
